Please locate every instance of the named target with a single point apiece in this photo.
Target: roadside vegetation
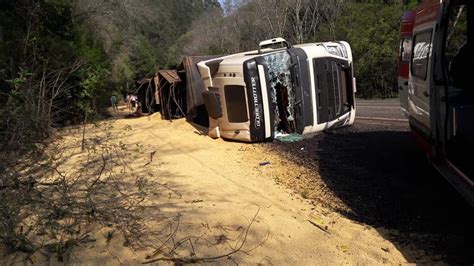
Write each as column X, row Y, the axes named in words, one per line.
column 60, row 62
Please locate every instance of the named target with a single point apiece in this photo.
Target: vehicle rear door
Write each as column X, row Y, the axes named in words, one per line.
column 420, row 80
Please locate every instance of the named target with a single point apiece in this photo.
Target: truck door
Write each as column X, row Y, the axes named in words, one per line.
column 459, row 64
column 333, row 82
column 452, row 103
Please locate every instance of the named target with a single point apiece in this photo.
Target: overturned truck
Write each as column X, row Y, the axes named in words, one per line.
column 258, row 95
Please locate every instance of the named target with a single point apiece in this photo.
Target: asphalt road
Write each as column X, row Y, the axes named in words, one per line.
column 379, row 109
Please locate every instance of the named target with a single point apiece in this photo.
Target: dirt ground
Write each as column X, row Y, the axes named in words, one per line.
column 373, row 173
column 352, row 196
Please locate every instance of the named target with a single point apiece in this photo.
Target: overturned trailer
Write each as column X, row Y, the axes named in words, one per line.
column 171, row 94
column 175, row 93
column 255, row 96
column 147, row 92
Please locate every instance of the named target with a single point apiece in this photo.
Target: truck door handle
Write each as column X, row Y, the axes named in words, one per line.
column 426, row 94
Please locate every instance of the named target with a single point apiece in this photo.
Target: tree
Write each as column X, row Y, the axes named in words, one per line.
column 372, row 29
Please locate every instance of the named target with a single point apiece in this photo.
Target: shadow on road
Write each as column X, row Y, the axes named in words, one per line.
column 384, row 181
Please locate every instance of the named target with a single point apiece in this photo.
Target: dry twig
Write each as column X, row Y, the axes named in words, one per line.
column 194, row 259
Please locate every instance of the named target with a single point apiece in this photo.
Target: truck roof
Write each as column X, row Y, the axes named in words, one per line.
column 238, row 59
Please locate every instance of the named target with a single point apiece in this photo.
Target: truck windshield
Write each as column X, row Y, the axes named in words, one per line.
column 282, row 91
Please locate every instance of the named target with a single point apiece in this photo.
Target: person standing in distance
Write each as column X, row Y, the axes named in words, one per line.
column 113, row 100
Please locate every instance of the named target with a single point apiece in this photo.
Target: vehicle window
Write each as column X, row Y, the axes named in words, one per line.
column 405, row 50
column 236, row 103
column 421, row 54
column 282, row 92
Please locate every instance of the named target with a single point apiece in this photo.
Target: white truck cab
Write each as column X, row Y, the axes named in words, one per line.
column 256, row 95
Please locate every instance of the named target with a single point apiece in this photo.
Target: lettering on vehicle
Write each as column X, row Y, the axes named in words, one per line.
column 258, row 120
column 422, row 50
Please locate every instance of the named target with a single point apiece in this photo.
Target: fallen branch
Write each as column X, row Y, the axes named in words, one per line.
column 212, row 258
